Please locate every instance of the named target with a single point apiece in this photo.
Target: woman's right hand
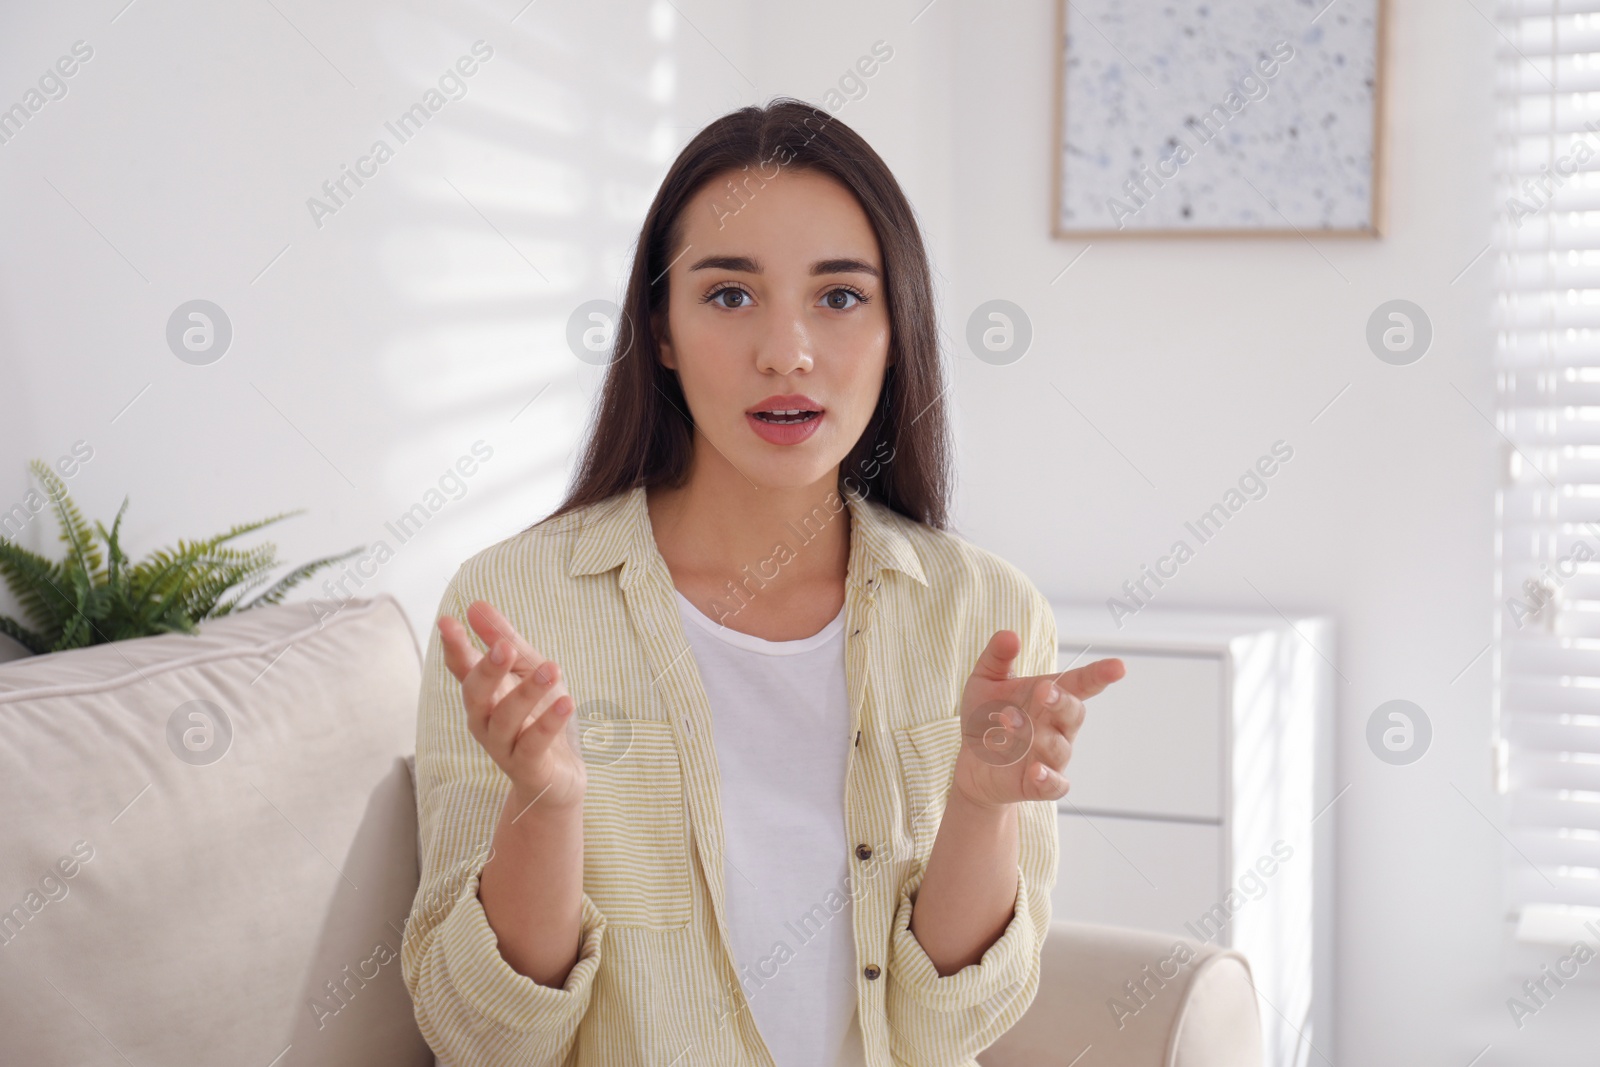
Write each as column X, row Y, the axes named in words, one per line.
column 518, row 709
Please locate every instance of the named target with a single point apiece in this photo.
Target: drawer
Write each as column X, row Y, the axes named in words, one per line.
column 1136, row 872
column 1151, row 744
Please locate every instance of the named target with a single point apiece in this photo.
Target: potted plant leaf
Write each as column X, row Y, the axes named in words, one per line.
column 95, row 594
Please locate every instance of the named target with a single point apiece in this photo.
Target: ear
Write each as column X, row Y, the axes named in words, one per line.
column 658, row 326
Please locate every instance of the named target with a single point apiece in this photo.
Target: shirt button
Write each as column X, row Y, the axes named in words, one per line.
column 871, row 971
column 863, row 852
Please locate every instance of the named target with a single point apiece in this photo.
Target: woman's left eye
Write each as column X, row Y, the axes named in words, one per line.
column 841, row 299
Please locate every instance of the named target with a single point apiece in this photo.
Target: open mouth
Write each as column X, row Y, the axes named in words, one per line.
column 789, row 417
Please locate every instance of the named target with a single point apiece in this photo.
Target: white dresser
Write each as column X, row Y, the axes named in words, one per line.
column 1202, row 801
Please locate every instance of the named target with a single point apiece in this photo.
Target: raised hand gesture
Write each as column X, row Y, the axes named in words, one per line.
column 1017, row 733
column 518, row 708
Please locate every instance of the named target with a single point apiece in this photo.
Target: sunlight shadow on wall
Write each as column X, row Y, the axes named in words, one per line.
column 526, row 206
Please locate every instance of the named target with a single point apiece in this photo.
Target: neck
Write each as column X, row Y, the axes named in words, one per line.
column 719, row 522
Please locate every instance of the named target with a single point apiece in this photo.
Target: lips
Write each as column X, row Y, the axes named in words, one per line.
column 785, row 420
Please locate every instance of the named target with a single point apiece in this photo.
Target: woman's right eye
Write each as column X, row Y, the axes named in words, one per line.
column 731, row 297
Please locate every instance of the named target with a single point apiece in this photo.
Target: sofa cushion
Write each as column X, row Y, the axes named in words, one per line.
column 209, row 844
column 1116, row 997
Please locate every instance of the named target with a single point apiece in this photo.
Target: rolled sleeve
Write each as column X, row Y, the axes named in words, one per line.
column 949, row 1019
column 1004, row 965
column 474, row 1008
column 481, row 976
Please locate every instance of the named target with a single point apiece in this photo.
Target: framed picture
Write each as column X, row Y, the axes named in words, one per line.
column 1218, row 118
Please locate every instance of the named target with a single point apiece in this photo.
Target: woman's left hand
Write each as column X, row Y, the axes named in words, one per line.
column 1017, row 733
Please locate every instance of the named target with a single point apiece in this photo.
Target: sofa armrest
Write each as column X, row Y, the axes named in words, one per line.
column 1115, row 997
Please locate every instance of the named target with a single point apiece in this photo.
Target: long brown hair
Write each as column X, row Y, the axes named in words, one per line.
column 641, row 433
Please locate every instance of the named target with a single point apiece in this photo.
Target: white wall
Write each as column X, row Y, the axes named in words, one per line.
column 378, row 348
column 1192, row 357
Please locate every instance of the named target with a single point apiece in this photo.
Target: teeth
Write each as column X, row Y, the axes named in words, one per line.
column 786, row 416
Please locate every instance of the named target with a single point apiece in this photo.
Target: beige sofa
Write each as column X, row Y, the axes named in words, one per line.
column 208, row 853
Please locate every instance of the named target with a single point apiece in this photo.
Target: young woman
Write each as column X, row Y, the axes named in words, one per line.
column 810, row 816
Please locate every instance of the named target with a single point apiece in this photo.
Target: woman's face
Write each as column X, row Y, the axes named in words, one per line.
column 777, row 325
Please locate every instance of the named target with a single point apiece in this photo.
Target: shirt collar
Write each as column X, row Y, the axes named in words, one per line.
column 617, row 532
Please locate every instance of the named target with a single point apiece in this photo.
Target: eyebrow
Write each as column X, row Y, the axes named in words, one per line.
column 747, row 265
column 743, row 264
column 843, row 266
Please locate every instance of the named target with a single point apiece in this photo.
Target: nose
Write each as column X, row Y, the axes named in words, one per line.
column 786, row 348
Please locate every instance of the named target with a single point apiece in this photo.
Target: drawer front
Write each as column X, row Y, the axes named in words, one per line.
column 1151, row 744
column 1139, row 873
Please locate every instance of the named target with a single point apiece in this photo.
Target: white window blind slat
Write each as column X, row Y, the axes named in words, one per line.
column 1547, row 360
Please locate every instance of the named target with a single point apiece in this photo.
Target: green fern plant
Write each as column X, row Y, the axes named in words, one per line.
column 90, row 597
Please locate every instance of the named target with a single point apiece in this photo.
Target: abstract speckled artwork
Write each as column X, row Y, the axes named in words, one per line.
column 1224, row 116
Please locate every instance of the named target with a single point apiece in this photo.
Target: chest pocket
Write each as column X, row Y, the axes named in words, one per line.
column 927, row 755
column 635, row 828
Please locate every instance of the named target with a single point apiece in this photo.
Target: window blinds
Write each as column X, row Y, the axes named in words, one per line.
column 1547, row 366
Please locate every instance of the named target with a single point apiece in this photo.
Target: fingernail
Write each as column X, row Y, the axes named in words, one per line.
column 544, row 674
column 1052, row 698
column 498, row 653
column 1040, row 773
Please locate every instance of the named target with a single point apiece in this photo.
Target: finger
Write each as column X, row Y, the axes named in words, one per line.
column 1054, row 709
column 530, row 698
column 1086, row 681
column 490, row 626
column 994, row 662
column 1042, row 782
column 483, row 686
column 459, row 655
column 1051, row 748
column 538, row 731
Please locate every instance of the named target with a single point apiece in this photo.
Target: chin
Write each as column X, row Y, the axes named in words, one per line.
column 793, row 467
column 789, row 475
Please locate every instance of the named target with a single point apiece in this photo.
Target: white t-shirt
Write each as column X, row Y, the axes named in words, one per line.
column 781, row 715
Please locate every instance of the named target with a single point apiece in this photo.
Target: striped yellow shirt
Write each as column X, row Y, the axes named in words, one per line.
column 656, row 981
